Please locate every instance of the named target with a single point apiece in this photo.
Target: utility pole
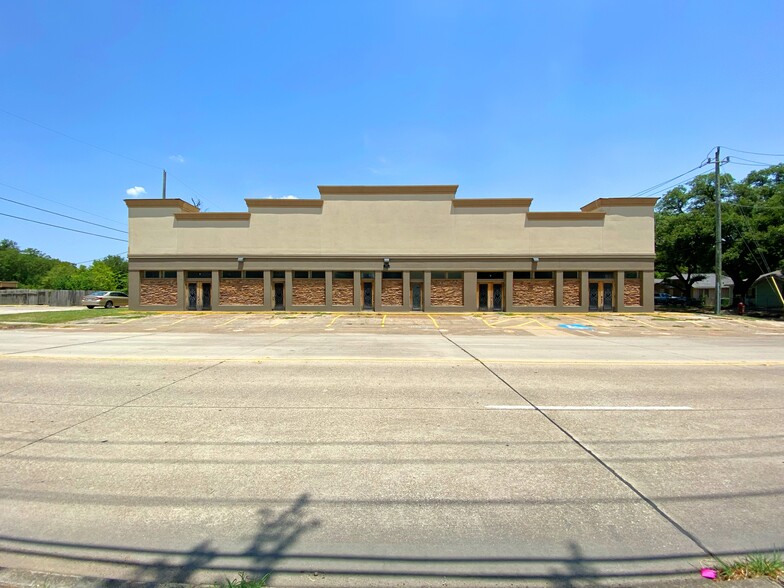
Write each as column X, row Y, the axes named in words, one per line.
column 164, row 184
column 718, row 231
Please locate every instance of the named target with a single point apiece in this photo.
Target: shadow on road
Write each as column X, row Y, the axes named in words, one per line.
column 272, row 550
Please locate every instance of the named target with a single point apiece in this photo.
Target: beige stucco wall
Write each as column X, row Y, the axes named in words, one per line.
column 389, row 226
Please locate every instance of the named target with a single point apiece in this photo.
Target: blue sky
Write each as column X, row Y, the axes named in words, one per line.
column 564, row 102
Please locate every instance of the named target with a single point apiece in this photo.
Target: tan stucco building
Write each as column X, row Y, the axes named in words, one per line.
column 392, row 248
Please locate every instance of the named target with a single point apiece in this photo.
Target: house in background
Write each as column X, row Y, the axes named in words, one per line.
column 767, row 290
column 705, row 290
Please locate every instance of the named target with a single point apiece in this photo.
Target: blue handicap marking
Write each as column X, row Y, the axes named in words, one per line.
column 576, row 326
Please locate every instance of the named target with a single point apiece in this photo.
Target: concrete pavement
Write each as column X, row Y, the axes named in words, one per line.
column 387, row 459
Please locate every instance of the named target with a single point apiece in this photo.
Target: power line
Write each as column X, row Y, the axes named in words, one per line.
column 748, row 164
column 61, row 227
column 63, row 215
column 755, row 205
column 97, row 258
column 750, row 229
column 753, row 152
column 752, row 161
column 99, row 148
column 51, row 130
column 186, row 185
column 59, row 203
column 667, row 188
column 659, row 185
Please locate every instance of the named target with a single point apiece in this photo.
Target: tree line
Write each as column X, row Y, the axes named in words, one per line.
column 752, row 219
column 34, row 269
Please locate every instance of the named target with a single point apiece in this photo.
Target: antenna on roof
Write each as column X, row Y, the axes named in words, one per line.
column 164, row 184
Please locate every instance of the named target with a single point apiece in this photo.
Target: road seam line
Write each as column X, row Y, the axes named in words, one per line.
column 95, row 416
column 655, row 507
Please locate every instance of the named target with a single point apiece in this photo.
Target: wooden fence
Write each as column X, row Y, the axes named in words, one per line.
column 46, row 297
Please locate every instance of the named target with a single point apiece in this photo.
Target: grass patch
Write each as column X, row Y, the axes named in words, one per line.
column 752, row 566
column 66, row 316
column 245, row 581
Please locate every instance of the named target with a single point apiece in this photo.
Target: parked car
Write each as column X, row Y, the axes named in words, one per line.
column 105, row 298
column 662, row 299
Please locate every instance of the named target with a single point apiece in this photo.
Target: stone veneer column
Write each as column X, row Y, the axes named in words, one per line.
column 584, row 302
column 620, row 305
column 508, row 291
column 328, row 286
column 406, row 291
column 288, row 290
column 426, row 293
column 215, row 290
column 559, row 289
column 267, row 290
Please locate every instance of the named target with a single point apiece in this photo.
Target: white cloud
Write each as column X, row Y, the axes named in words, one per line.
column 177, row 158
column 287, row 197
column 135, row 192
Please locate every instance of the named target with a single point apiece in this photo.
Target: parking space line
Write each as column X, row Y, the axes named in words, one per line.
column 651, row 325
column 520, row 325
column 179, row 321
column 231, row 320
column 332, row 322
column 434, row 321
column 383, row 321
column 506, row 320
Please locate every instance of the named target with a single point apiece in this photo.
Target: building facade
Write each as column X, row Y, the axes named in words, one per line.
column 392, row 249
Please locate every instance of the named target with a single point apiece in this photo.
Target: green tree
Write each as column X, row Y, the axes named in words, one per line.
column 100, row 276
column 752, row 228
column 59, row 277
column 26, row 266
column 684, row 237
column 34, row 269
column 119, row 267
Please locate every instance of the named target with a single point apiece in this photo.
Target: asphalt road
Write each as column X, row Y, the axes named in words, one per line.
column 387, row 459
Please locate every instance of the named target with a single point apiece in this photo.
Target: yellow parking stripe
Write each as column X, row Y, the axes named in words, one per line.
column 228, row 321
column 434, row 321
column 179, row 321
